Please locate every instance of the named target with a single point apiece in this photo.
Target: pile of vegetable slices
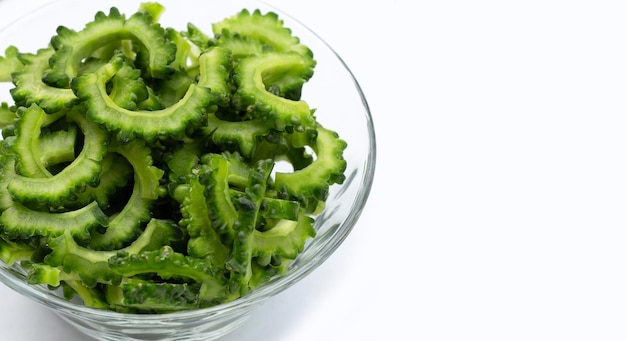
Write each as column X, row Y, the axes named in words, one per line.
column 138, row 162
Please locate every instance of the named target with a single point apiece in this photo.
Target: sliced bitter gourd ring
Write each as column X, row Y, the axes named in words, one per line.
column 115, row 174
column 241, row 136
column 313, row 181
column 247, row 206
column 147, row 296
column 221, row 210
column 25, row 145
column 150, row 125
column 240, row 46
column 20, row 222
column 166, row 263
column 273, row 208
column 215, row 69
column 266, row 28
column 82, row 172
column 128, row 88
column 93, row 266
column 30, row 88
column 252, row 76
column 126, row 224
column 74, row 46
column 204, row 240
column 209, row 283
column 53, row 147
column 140, row 157
column 286, row 239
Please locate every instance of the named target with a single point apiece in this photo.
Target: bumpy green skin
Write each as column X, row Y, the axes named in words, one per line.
column 183, row 54
column 82, row 172
column 114, row 177
column 182, row 161
column 139, row 155
column 247, row 205
column 169, row 264
column 215, row 179
column 255, row 34
column 26, row 142
column 7, row 116
column 215, row 69
column 312, row 182
column 31, row 89
column 45, row 274
column 272, row 208
column 204, row 240
column 146, row 296
column 197, row 36
column 286, row 239
column 126, row 225
column 130, row 124
column 74, row 46
column 237, row 136
column 241, row 46
column 171, row 91
column 92, row 267
column 10, row 63
column 267, row 29
column 252, row 76
column 22, row 223
column 128, row 90
column 166, row 263
column 137, row 165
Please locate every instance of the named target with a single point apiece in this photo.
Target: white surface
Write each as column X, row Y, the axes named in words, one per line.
column 498, row 208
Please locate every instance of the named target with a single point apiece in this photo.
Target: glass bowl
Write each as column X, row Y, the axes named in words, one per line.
column 340, row 105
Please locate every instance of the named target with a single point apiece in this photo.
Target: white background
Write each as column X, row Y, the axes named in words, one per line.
column 498, row 206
